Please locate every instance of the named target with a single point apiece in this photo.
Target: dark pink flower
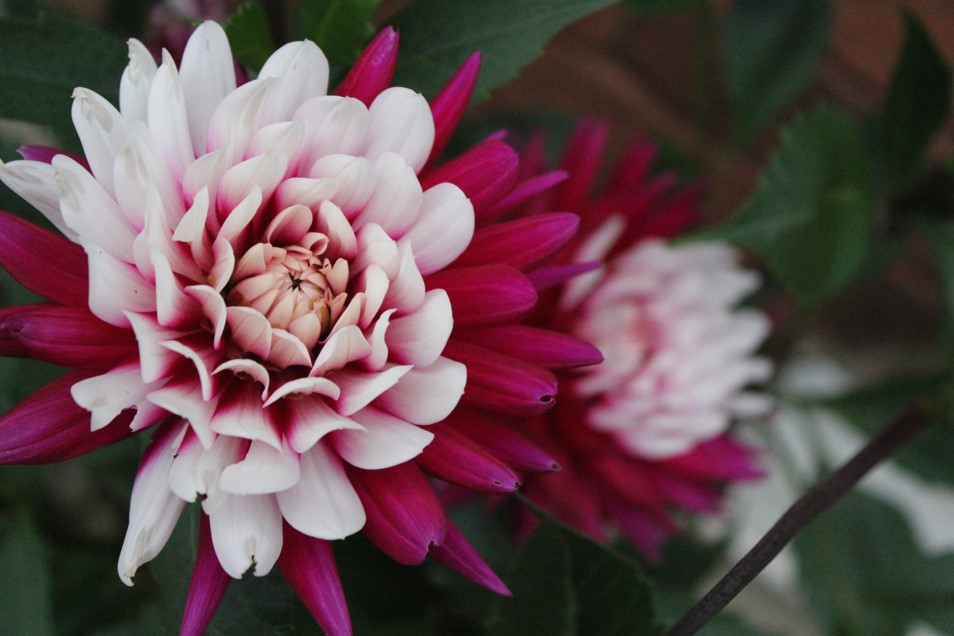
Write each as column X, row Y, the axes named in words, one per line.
column 646, row 432
column 276, row 281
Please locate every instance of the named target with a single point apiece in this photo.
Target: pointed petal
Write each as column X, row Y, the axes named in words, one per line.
column 135, row 82
column 454, row 458
column 35, row 182
column 359, row 389
column 240, row 413
column 521, row 242
column 374, row 68
column 168, row 119
column 544, row 347
column 449, row 105
column 102, row 131
column 309, row 419
column 456, row 552
column 308, row 565
column 486, row 173
column 486, row 294
column 207, row 586
column 502, row 441
column 116, row 288
column 396, row 199
column 303, row 70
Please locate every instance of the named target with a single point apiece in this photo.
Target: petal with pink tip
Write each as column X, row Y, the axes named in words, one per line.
column 244, row 368
column 396, row 199
column 310, row 419
column 264, row 470
column 35, row 182
column 101, row 130
column 250, row 330
column 443, row 229
column 116, row 287
column 203, row 357
column 184, row 398
column 87, row 207
column 135, row 82
column 419, row 337
column 308, row 565
column 342, row 242
column 401, row 122
column 213, row 307
column 303, row 70
column 247, row 531
column 153, row 507
column 240, row 413
column 323, row 504
column 359, row 389
column 208, row 75
column 109, row 394
column 355, row 178
column 385, row 440
column 167, row 118
column 426, row 395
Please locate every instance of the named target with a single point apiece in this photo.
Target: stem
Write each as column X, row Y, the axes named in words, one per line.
column 885, row 443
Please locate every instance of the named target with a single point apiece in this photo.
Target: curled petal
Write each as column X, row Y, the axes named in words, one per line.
column 419, row 337
column 247, row 531
column 309, row 419
column 109, row 394
column 359, row 389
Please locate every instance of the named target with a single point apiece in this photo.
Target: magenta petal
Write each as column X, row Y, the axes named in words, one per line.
column 49, row 426
column 503, row 384
column 45, row 263
column 67, row 335
column 523, row 192
column 552, row 275
column 449, row 105
column 521, row 242
column 721, row 459
column 309, row 567
column 501, row 441
column 581, row 160
column 453, row 457
column 373, row 70
column 405, row 517
column 46, row 154
column 486, row 173
column 457, row 552
column 547, row 348
column 207, row 587
column 486, row 294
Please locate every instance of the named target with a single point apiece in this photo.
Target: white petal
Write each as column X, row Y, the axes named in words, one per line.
column 344, row 346
column 397, row 196
column 336, row 125
column 301, row 387
column 342, row 243
column 250, row 330
column 379, row 348
column 155, row 360
column 359, row 389
column 355, row 178
column 240, row 413
column 419, row 338
column 385, row 441
column 106, row 396
column 203, row 357
column 213, row 307
column 426, row 395
column 101, row 130
column 246, row 531
column 323, row 504
column 135, row 82
column 401, row 122
column 264, row 470
column 310, row 419
column 208, row 75
column 35, row 182
column 283, row 138
column 288, row 350
column 140, row 168
column 375, row 246
column 184, row 398
column 262, row 173
column 246, row 368
column 406, row 291
column 237, row 118
column 303, row 70
column 443, row 229
column 116, row 287
column 196, row 469
column 153, row 511
column 168, row 119
column 304, row 191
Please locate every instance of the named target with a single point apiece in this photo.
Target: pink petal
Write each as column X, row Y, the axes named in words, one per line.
column 406, row 290
column 449, row 105
column 204, row 358
column 246, row 531
column 426, row 395
column 486, row 294
column 240, row 413
column 288, row 350
column 384, row 441
column 401, row 122
column 342, row 243
column 300, row 387
column 174, row 307
column 523, row 192
column 502, row 441
column 344, row 346
column 48, row 426
column 486, row 173
column 581, row 160
column 521, row 242
column 405, row 517
column 456, row 552
column 153, row 507
column 375, row 246
column 43, row 262
column 206, row 587
column 544, row 347
column 453, row 457
column 308, row 565
column 443, row 229
column 503, row 384
column 66, row 335
column 374, row 68
column 250, row 330
column 310, row 419
column 418, row 338
column 45, row 154
column 323, row 504
column 213, row 307
column 551, row 276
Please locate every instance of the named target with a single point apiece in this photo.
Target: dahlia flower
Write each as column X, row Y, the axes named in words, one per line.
column 276, row 281
column 647, row 431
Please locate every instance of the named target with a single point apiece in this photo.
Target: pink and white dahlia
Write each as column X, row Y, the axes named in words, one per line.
column 647, row 431
column 275, row 280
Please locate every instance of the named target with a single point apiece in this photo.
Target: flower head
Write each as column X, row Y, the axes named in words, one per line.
column 277, row 281
column 647, row 431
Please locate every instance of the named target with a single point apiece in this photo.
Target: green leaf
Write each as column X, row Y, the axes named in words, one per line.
column 772, row 48
column 25, row 590
column 661, row 5
column 437, row 36
column 869, row 409
column 564, row 584
column 340, row 27
column 917, row 103
column 865, row 574
column 810, row 215
column 940, row 236
column 43, row 60
column 249, row 37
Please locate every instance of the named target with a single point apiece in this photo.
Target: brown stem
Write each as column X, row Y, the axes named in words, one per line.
column 885, row 443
